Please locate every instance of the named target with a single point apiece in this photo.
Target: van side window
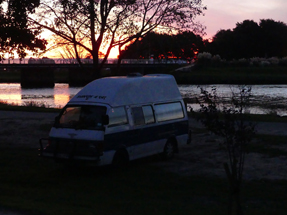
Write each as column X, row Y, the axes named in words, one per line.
column 148, row 114
column 169, row 111
column 138, row 116
column 118, row 116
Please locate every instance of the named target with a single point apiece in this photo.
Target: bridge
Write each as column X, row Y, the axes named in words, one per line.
column 42, row 75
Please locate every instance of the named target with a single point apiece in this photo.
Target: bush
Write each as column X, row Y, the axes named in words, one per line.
column 204, row 58
column 273, row 61
column 283, row 61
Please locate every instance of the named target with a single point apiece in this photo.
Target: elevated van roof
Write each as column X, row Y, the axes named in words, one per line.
column 128, row 90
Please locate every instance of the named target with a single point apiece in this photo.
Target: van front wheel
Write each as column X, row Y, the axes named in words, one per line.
column 121, row 158
column 169, row 150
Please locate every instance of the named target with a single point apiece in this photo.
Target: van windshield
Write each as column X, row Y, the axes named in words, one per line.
column 82, row 117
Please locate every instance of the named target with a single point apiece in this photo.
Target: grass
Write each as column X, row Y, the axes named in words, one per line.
column 233, row 75
column 36, row 186
column 29, row 106
column 39, row 186
column 252, row 117
column 269, row 145
column 32, row 185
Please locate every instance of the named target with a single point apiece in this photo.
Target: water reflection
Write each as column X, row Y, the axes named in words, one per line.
column 51, row 97
column 10, row 93
column 265, row 98
column 62, row 95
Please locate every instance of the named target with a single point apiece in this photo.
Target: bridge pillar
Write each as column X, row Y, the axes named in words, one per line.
column 37, row 77
column 80, row 76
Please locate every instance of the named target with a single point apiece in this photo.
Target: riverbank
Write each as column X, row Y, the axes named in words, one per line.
column 249, row 75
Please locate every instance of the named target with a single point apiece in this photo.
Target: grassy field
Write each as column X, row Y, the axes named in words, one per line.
column 35, row 186
column 233, row 75
column 32, row 185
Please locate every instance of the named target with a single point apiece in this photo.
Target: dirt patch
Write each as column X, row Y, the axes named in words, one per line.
column 204, row 157
column 24, row 129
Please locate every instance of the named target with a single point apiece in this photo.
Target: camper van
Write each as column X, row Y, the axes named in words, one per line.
column 117, row 119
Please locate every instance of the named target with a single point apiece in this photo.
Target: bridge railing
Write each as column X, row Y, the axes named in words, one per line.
column 90, row 61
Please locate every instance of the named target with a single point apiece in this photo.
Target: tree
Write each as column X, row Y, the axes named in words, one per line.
column 249, row 39
column 183, row 45
column 95, row 25
column 274, row 39
column 223, row 44
column 229, row 121
column 247, row 36
column 16, row 35
column 187, row 45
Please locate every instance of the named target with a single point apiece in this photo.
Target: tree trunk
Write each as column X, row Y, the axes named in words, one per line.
column 234, row 202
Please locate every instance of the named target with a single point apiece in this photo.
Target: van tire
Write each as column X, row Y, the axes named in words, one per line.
column 121, row 159
column 169, row 150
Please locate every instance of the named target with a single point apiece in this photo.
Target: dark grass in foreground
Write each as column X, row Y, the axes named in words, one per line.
column 33, row 185
column 269, row 145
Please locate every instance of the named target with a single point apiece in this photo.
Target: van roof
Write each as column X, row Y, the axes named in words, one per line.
column 128, row 90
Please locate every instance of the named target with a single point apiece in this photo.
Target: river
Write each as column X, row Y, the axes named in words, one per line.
column 265, row 98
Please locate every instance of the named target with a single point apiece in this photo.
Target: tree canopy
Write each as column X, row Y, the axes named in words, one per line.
column 94, row 26
column 16, row 35
column 250, row 39
column 247, row 40
column 183, row 45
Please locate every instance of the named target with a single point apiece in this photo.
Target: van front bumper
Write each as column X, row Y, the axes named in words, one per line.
column 62, row 149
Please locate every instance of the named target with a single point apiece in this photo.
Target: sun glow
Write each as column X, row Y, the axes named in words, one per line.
column 67, row 52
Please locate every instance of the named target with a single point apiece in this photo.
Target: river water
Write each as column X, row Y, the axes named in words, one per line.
column 265, row 98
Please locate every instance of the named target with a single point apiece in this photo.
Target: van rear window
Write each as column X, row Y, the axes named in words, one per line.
column 169, row 111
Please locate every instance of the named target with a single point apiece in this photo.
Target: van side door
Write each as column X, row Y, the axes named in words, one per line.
column 143, row 118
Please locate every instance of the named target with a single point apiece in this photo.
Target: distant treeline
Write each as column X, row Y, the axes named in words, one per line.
column 248, row 39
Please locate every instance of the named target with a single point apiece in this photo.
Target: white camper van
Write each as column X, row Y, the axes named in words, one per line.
column 117, row 119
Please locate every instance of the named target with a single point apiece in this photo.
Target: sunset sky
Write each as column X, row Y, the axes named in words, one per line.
column 224, row 14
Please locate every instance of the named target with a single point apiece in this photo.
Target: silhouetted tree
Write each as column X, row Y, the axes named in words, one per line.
column 16, row 33
column 187, row 45
column 274, row 38
column 223, row 44
column 183, row 45
column 231, row 123
column 99, row 24
column 249, row 39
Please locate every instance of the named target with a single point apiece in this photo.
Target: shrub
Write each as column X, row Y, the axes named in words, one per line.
column 204, row 58
column 229, row 122
column 273, row 61
column 283, row 61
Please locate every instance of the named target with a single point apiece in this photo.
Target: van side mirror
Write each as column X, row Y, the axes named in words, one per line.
column 105, row 119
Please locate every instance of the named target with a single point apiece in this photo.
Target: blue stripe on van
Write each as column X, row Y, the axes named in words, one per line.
column 144, row 135
column 116, row 140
